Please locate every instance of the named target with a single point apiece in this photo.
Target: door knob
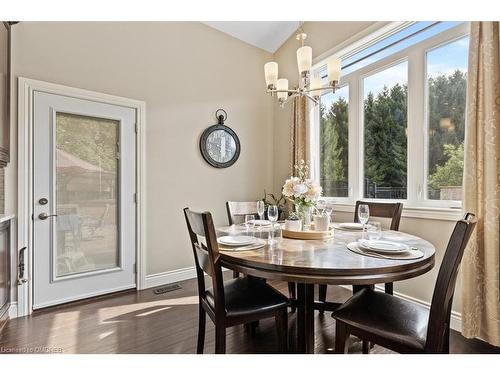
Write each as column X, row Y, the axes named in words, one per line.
column 44, row 216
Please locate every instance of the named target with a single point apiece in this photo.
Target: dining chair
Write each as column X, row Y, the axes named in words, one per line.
column 391, row 211
column 401, row 325
column 234, row 302
column 236, row 212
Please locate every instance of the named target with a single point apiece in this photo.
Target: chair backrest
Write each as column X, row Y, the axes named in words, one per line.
column 380, row 209
column 236, row 211
column 439, row 317
column 206, row 255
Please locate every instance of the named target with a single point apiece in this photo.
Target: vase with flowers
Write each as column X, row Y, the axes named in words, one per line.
column 302, row 191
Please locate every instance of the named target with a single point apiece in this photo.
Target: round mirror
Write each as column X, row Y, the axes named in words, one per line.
column 220, row 146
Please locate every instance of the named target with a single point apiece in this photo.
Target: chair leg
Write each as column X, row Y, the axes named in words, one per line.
column 201, row 330
column 446, row 344
column 220, row 339
column 341, row 336
column 365, row 347
column 389, row 288
column 322, row 295
column 253, row 327
column 282, row 329
column 292, row 293
column 236, row 274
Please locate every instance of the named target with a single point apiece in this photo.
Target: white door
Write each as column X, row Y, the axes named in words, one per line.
column 84, row 239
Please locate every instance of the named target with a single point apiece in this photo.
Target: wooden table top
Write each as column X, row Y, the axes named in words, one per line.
column 328, row 261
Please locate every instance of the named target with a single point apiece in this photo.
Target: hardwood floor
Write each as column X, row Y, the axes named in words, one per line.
column 142, row 322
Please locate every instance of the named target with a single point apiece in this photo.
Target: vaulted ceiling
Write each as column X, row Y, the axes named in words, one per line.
column 268, row 35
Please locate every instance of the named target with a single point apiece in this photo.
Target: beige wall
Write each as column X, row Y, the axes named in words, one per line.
column 184, row 71
column 322, row 37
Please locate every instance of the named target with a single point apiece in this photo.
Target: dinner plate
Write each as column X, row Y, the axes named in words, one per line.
column 260, row 223
column 388, row 247
column 349, row 226
column 236, row 240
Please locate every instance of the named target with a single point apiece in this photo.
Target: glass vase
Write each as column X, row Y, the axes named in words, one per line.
column 304, row 212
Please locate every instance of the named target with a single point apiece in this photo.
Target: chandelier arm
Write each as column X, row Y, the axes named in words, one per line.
column 312, row 98
column 322, row 88
column 288, row 91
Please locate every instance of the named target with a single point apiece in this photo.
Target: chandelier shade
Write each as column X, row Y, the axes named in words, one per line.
column 304, row 59
column 333, row 68
column 271, row 74
column 282, row 89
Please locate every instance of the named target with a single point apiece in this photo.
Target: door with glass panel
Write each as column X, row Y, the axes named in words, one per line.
column 83, row 199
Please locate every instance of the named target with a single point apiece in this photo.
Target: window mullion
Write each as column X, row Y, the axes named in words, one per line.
column 355, row 138
column 416, row 121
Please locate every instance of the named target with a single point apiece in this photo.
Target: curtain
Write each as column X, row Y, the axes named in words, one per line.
column 480, row 268
column 299, row 141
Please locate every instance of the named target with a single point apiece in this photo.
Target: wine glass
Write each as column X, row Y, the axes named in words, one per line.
column 249, row 222
column 272, row 215
column 260, row 209
column 363, row 214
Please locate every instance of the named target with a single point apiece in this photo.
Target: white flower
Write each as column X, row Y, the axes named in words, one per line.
column 307, row 190
column 299, row 190
column 288, row 188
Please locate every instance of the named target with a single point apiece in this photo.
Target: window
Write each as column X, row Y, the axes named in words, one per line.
column 334, row 135
column 446, row 92
column 402, row 106
column 385, row 118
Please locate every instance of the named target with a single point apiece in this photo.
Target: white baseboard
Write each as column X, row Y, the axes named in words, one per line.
column 13, row 310
column 456, row 317
column 169, row 277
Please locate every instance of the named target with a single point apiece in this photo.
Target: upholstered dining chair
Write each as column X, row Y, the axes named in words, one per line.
column 401, row 325
column 234, row 302
column 377, row 209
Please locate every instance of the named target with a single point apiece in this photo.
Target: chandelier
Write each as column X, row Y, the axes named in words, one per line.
column 309, row 87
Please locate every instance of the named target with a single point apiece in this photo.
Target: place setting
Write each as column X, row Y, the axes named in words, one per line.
column 377, row 247
column 240, row 243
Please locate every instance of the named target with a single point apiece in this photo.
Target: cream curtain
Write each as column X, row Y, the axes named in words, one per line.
column 299, row 141
column 480, row 268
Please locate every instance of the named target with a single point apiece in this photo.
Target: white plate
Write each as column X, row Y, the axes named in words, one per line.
column 260, row 223
column 236, row 240
column 351, row 226
column 383, row 246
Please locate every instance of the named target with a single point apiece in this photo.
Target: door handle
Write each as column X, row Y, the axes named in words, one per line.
column 44, row 216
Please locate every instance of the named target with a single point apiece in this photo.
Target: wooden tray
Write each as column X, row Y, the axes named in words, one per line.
column 307, row 235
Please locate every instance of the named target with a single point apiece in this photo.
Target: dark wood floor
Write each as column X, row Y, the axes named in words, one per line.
column 142, row 322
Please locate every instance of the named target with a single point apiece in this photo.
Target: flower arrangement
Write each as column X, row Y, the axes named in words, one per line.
column 301, row 190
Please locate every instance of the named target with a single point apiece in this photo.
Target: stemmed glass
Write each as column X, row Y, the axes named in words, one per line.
column 363, row 215
column 260, row 209
column 272, row 215
column 249, row 222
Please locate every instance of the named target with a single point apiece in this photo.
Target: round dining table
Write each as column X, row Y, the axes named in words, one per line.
column 328, row 261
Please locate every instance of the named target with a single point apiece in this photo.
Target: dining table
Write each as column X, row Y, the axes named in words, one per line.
column 326, row 261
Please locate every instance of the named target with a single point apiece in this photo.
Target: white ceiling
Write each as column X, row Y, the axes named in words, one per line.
column 268, row 35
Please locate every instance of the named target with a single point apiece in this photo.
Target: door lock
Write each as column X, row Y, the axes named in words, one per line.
column 43, row 201
column 44, row 216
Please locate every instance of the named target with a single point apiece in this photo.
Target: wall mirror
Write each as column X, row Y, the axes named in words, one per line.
column 219, row 144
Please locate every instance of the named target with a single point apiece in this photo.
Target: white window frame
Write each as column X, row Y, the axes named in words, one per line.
column 416, row 204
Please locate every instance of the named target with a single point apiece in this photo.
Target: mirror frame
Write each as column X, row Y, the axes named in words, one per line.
column 204, row 151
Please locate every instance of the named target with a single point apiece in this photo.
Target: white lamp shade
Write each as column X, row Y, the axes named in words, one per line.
column 316, row 86
column 271, row 73
column 334, row 67
column 282, row 85
column 304, row 59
